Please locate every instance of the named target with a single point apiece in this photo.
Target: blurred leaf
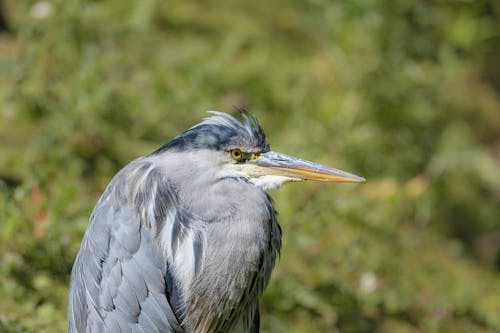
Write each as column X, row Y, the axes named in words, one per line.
column 406, row 94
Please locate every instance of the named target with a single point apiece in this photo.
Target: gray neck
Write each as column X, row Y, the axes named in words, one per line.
column 242, row 239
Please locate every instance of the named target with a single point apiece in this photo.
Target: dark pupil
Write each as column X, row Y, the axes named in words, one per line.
column 237, row 154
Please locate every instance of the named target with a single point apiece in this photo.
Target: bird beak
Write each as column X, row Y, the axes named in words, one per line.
column 293, row 167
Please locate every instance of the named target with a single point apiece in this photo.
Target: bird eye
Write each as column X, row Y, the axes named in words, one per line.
column 237, row 154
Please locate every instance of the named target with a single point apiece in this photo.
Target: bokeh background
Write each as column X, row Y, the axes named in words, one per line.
column 404, row 93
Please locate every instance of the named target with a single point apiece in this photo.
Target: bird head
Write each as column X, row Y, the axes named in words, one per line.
column 230, row 148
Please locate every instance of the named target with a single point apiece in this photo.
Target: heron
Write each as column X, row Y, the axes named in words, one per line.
column 184, row 239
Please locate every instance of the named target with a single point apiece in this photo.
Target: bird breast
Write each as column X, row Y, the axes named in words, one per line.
column 239, row 254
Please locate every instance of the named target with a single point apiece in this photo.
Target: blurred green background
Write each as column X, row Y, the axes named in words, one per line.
column 404, row 93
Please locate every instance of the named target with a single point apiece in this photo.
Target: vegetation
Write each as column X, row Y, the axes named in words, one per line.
column 404, row 93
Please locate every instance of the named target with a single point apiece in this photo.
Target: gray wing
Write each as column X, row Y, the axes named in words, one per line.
column 119, row 281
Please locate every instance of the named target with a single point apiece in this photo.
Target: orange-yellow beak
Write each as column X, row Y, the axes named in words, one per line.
column 288, row 166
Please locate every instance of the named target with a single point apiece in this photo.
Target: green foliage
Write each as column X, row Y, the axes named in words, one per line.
column 405, row 93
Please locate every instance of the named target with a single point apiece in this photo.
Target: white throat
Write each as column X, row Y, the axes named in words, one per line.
column 270, row 182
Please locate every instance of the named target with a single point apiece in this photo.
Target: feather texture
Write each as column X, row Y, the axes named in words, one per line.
column 172, row 246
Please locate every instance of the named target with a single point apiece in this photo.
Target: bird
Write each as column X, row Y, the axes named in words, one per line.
column 185, row 239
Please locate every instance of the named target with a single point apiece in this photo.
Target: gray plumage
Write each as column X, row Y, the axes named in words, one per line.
column 185, row 239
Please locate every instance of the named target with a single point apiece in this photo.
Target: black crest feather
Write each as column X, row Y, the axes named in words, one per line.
column 222, row 131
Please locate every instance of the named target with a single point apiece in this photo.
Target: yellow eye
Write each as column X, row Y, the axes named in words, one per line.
column 237, row 154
